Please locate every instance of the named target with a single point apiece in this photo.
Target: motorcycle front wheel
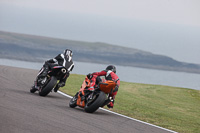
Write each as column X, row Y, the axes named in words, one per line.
column 72, row 102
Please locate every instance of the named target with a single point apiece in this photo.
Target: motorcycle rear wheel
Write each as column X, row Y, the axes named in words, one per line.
column 98, row 102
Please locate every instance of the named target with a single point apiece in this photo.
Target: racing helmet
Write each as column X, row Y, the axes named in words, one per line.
column 112, row 68
column 68, row 52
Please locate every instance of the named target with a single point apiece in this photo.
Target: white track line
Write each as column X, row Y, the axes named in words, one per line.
column 124, row 115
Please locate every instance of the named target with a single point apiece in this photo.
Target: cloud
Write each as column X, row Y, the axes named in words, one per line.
column 170, row 11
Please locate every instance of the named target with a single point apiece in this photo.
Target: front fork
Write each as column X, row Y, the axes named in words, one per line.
column 40, row 82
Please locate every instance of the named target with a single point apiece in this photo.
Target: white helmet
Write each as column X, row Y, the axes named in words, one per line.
column 68, row 53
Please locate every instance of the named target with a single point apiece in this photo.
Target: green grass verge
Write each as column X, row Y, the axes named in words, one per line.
column 173, row 108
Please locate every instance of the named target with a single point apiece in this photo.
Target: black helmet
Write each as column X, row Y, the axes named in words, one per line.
column 112, row 68
column 68, row 52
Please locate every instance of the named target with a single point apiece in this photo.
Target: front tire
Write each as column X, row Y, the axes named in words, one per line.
column 72, row 102
column 47, row 89
column 98, row 102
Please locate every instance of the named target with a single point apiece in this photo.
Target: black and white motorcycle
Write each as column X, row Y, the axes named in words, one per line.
column 46, row 84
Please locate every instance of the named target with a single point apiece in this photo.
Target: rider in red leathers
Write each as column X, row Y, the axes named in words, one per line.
column 110, row 74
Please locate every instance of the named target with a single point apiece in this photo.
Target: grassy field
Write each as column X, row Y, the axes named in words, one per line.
column 173, row 108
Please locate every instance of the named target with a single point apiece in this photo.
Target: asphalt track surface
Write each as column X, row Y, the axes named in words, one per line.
column 25, row 112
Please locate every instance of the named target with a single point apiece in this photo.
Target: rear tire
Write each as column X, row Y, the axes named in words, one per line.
column 90, row 108
column 47, row 89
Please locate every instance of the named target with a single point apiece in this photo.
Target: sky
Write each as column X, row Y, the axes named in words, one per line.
column 167, row 27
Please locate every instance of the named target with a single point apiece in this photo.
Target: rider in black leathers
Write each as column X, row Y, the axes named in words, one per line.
column 63, row 59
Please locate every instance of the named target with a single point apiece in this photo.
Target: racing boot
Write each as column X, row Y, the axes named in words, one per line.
column 106, row 102
column 60, row 84
column 56, row 88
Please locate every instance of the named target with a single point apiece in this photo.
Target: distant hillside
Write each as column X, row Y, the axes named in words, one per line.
column 37, row 48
